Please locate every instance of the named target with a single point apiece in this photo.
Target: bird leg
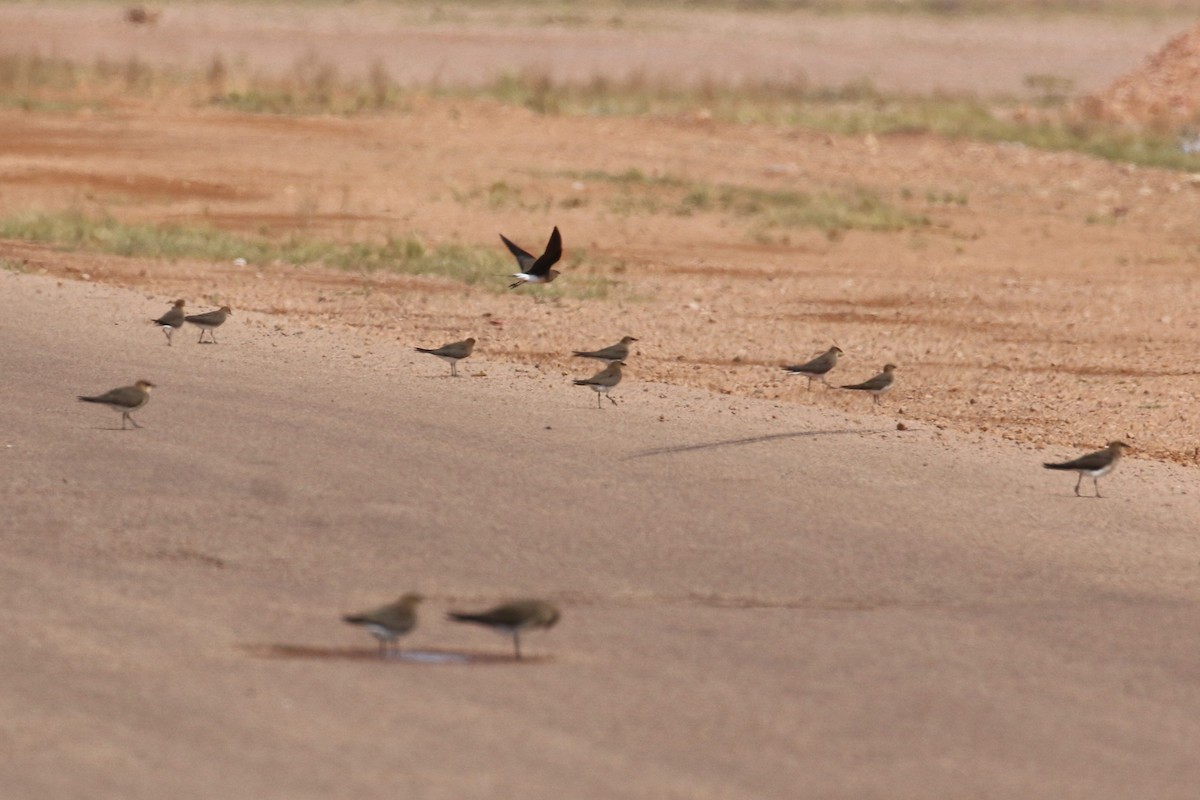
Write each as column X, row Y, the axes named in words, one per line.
column 453, row 369
column 517, row 644
column 1077, row 494
column 1096, row 483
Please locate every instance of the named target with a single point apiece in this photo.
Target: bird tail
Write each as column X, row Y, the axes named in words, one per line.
column 458, row 616
column 89, row 399
column 1057, row 466
column 353, row 619
column 515, row 285
column 424, row 349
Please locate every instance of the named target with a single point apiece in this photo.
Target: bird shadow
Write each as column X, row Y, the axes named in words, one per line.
column 770, row 437
column 429, row 657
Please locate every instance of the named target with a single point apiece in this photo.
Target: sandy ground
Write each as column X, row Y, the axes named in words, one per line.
column 767, row 592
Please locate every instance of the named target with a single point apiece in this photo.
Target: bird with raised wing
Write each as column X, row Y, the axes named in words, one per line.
column 536, row 270
column 603, row 381
column 126, row 399
column 388, row 623
column 513, row 617
column 819, row 367
column 614, row 352
column 878, row 385
column 171, row 321
column 1094, row 465
column 451, row 353
column 210, row 321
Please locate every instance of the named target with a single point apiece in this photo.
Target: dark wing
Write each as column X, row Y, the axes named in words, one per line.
column 818, row 366
column 172, row 318
column 125, row 397
column 880, row 381
column 550, row 257
column 524, row 260
column 616, row 352
column 1092, row 461
column 207, row 318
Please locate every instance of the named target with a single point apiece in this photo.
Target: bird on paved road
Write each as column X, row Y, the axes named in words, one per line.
column 514, row 617
column 171, row 321
column 388, row 623
column 451, row 353
column 126, row 399
column 1094, row 465
column 615, row 352
column 603, row 381
column 819, row 367
column 536, row 270
column 209, row 321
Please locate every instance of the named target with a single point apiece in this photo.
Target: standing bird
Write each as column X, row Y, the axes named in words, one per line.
column 1095, row 465
column 877, row 385
column 171, row 321
column 615, row 352
column 819, row 367
column 388, row 623
column 603, row 381
column 536, row 270
column 209, row 321
column 451, row 353
column 513, row 618
column 127, row 399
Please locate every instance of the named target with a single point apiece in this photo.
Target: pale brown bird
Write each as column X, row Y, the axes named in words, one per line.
column 615, row 352
column 451, row 353
column 171, row 321
column 209, row 321
column 879, row 384
column 603, row 381
column 819, row 367
column 1094, row 465
column 513, row 617
column 536, row 270
column 126, row 399
column 388, row 623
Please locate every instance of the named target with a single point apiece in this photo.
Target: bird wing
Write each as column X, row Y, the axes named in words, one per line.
column 880, row 381
column 1096, row 460
column 172, row 318
column 524, row 260
column 550, row 257
column 125, row 397
column 615, row 351
column 207, row 318
column 819, row 365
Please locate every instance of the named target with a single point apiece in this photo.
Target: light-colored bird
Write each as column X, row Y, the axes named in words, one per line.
column 209, row 321
column 126, row 399
column 513, row 617
column 451, row 353
column 615, row 352
column 171, row 321
column 388, row 623
column 536, row 270
column 1094, row 465
column 819, row 367
column 878, row 385
column 603, row 381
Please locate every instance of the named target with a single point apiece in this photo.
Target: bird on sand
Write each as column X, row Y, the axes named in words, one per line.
column 513, row 617
column 536, row 270
column 388, row 623
column 1094, row 465
column 877, row 385
column 209, row 321
column 171, row 321
column 614, row 352
column 603, row 381
column 451, row 353
column 819, row 367
column 126, row 399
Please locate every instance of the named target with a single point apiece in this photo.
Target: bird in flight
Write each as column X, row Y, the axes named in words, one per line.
column 536, row 270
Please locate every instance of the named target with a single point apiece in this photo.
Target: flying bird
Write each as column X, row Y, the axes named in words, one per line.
column 536, row 270
column 126, row 399
column 513, row 618
column 615, row 352
column 819, row 367
column 388, row 623
column 1094, row 465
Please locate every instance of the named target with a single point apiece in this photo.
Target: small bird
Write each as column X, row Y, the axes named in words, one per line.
column 536, row 270
column 513, row 618
column 209, row 321
column 126, row 399
column 451, row 353
column 171, row 321
column 877, row 385
column 1095, row 465
column 603, row 381
column 615, row 352
column 388, row 623
column 819, row 367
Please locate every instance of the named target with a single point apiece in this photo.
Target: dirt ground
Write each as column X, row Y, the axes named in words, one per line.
column 767, row 592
